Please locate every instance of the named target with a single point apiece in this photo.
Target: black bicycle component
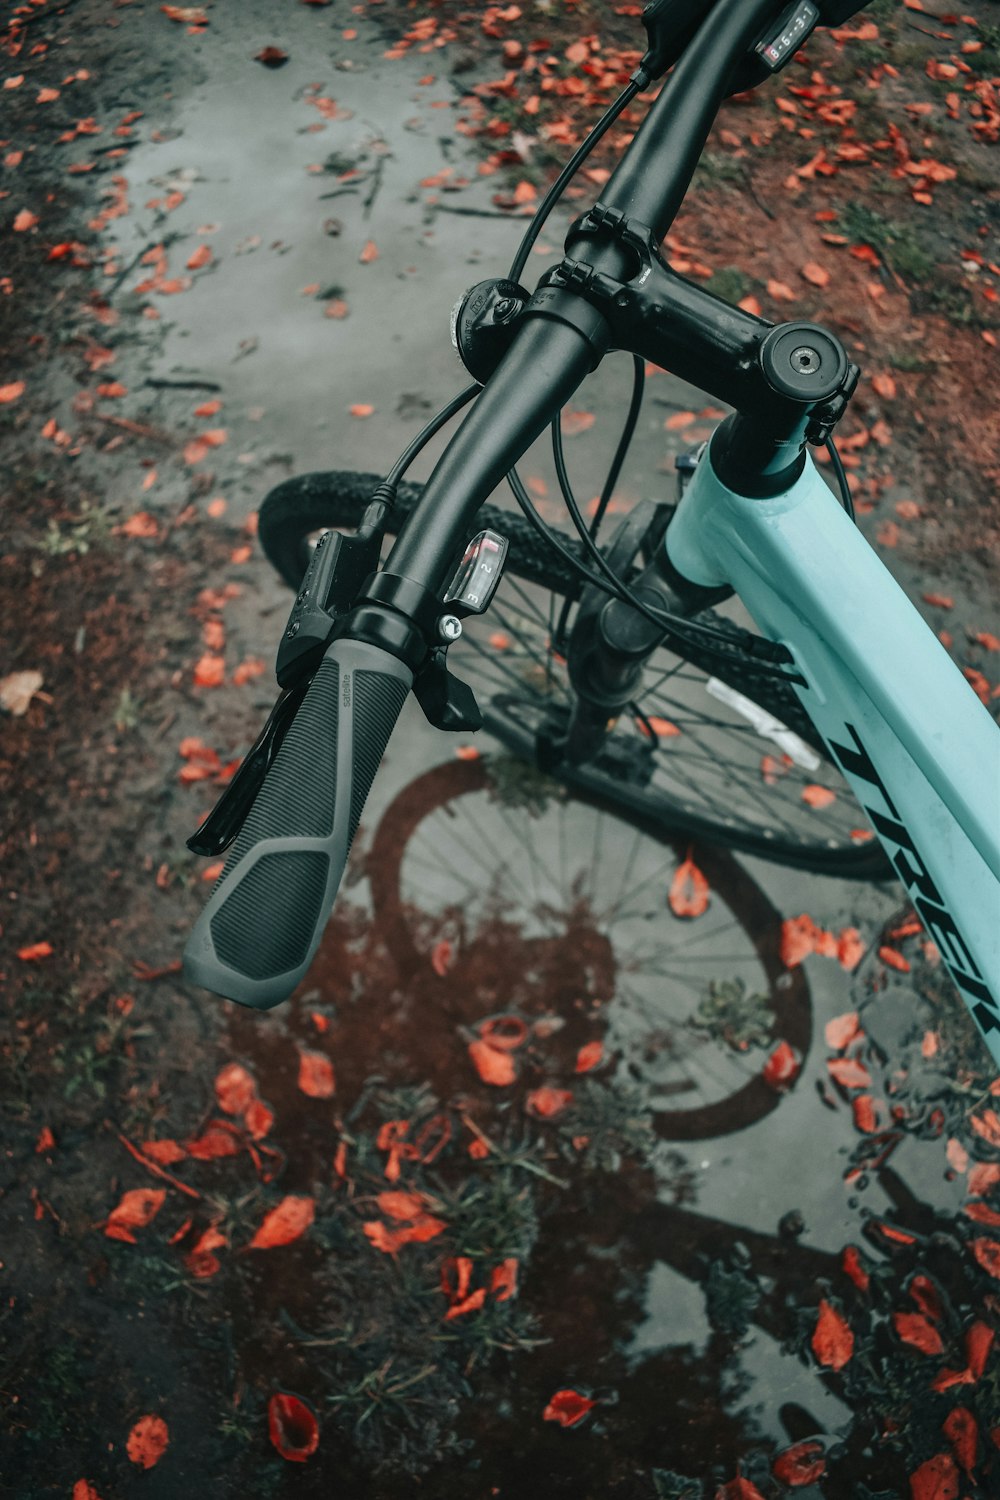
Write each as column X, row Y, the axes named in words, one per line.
column 478, row 574
column 792, row 380
column 257, row 935
column 448, row 702
column 784, row 39
column 336, row 572
column 483, row 324
column 230, row 812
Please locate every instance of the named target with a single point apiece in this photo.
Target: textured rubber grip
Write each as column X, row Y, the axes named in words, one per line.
column 258, row 933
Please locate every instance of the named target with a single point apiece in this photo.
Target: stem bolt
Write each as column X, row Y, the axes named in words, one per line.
column 805, row 360
column 449, row 627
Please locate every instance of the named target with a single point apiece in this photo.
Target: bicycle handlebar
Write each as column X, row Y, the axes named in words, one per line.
column 260, row 929
column 258, row 933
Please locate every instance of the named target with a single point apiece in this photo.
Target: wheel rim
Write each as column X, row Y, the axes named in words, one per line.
column 534, row 904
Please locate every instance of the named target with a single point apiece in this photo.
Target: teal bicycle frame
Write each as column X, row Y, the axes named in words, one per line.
column 919, row 749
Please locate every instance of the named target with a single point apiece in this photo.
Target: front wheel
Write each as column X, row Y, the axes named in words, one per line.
column 711, row 747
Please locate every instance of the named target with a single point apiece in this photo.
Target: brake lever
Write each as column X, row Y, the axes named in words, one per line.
column 229, row 814
column 337, row 568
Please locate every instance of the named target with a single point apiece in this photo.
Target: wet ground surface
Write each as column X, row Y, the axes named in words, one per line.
column 745, row 1277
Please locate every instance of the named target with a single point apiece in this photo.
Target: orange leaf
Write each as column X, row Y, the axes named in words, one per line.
column 854, row 1267
column 662, row 728
column 165, row 1152
column 842, row 1030
column 832, row 1340
column 12, row 392
column 589, row 1057
column 46, row 1140
column 208, row 408
column 25, row 220
column 801, row 1464
column 369, row 253
column 815, row 273
column 546, row 1102
column 137, row 1208
column 987, row 1252
column 361, row 409
column 853, row 1075
column 218, row 1139
column 441, row 957
column 850, row 949
column 198, row 258
column 688, row 890
column 574, row 421
column 915, row 1329
column 285, row 1223
column 292, row 1427
column 147, row 1441
column 884, row 386
column 34, row 951
column 493, row 1065
column 937, row 1479
column 399, row 1205
column 316, row 1077
column 503, row 1279
column 961, row 1430
column 893, row 959
column 567, row 1408
column 780, row 291
column 210, row 671
column 818, row 796
column 939, row 601
column 234, row 1087
column 84, row 1490
column 782, row 1068
column 390, row 1240
column 678, row 420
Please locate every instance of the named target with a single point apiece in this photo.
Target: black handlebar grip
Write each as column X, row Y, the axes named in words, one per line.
column 258, row 933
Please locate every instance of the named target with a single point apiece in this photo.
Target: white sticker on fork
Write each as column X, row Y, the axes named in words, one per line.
column 766, row 725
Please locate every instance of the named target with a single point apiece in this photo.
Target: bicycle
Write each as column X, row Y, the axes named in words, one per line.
column 609, row 661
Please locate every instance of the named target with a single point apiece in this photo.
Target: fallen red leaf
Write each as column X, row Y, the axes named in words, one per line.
column 399, row 1205
column 832, row 1340
column 292, row 1427
column 782, row 1068
column 567, row 1408
column 166, row 1152
column 800, row 1464
column 138, row 1207
column 198, row 258
column 815, row 273
column 851, row 1074
column 818, row 796
column 285, row 1223
column 210, row 671
column 390, row 1240
column 34, row 951
column 589, row 1056
column 688, row 890
column 850, row 948
column 842, row 1030
column 987, row 1252
column 494, row 1065
column 234, row 1085
column 738, row 1489
column 218, row 1139
column 200, row 1261
column 546, row 1102
column 369, row 253
column 503, row 1279
column 441, row 957
column 84, row 1490
column 915, row 1329
column 961, row 1430
column 854, row 1267
column 45, row 1142
column 147, row 1441
column 11, row 392
column 937, row 1479
column 316, row 1077
column 271, row 57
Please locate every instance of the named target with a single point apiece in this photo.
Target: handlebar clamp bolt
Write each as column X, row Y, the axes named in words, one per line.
column 449, row 627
